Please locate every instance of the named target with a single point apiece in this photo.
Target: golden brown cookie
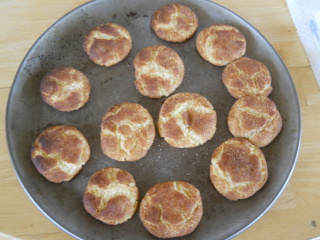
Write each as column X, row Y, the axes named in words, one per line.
column 159, row 71
column 111, row 196
column 255, row 118
column 247, row 76
column 65, row 89
column 127, row 132
column 174, row 22
column 108, row 44
column 171, row 209
column 238, row 169
column 187, row 120
column 59, row 152
column 221, row 44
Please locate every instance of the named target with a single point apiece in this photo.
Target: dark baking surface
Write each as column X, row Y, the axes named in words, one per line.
column 28, row 116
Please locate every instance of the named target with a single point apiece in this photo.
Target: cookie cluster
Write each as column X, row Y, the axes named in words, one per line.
column 186, row 120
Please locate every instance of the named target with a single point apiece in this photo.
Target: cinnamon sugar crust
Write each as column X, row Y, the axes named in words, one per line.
column 159, row 71
column 171, row 209
column 59, row 152
column 247, row 76
column 127, row 132
column 174, row 22
column 111, row 196
column 187, row 120
column 65, row 89
column 108, row 44
column 255, row 118
column 221, row 44
column 238, row 169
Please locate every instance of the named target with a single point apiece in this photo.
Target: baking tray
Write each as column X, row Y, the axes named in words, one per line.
column 27, row 116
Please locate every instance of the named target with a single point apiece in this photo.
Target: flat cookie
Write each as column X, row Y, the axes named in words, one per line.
column 171, row 209
column 59, row 152
column 255, row 118
column 159, row 71
column 174, row 22
column 247, row 76
column 107, row 44
column 127, row 132
column 238, row 169
column 111, row 196
column 65, row 88
column 187, row 120
column 221, row 44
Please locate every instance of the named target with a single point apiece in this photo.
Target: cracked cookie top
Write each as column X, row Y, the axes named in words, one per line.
column 187, row 120
column 111, row 196
column 238, row 169
column 59, row 152
column 127, row 132
column 174, row 22
column 247, row 76
column 255, row 118
column 221, row 44
column 65, row 88
column 171, row 209
column 159, row 71
column 107, row 44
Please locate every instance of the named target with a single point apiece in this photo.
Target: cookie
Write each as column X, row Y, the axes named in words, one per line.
column 159, row 71
column 171, row 209
column 221, row 44
column 107, row 44
column 238, row 169
column 174, row 22
column 65, row 88
column 255, row 118
column 111, row 196
column 187, row 120
column 127, row 132
column 59, row 152
column 247, row 76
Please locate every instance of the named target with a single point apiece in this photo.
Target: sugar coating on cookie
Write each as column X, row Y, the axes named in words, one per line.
column 65, row 89
column 238, row 169
column 247, row 76
column 127, row 132
column 174, row 22
column 221, row 44
column 111, row 196
column 171, row 209
column 59, row 152
column 159, row 71
column 255, row 118
column 108, row 44
column 187, row 120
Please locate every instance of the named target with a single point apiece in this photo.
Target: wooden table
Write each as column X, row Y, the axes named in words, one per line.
column 296, row 214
